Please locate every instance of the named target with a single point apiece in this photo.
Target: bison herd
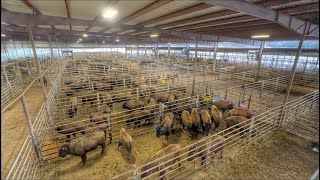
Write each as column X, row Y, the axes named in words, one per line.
column 192, row 121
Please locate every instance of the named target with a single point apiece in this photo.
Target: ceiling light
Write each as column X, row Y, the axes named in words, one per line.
column 109, row 13
column 260, row 36
column 80, row 40
column 85, row 35
column 10, row 39
column 102, row 41
column 3, row 35
column 154, row 35
column 117, row 40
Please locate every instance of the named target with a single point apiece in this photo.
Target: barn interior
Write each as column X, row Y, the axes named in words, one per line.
column 69, row 69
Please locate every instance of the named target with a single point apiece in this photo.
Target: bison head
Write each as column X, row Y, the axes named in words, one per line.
column 160, row 131
column 64, row 150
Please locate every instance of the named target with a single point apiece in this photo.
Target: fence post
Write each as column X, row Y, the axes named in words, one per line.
column 161, row 109
column 282, row 114
column 109, row 127
column 275, row 88
column 197, row 102
column 31, row 130
column 250, row 99
column 251, row 127
column 92, row 86
column 137, row 93
column 98, row 98
column 135, row 172
column 262, row 86
column 208, row 151
column 225, row 95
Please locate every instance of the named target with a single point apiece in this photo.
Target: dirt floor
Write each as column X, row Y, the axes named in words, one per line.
column 279, row 155
column 14, row 129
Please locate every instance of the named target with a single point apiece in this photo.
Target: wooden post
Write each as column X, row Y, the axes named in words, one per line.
column 31, row 130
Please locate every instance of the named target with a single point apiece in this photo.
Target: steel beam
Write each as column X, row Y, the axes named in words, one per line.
column 259, row 61
column 175, row 14
column 49, row 40
column 286, row 21
column 215, row 55
column 27, row 19
column 293, row 70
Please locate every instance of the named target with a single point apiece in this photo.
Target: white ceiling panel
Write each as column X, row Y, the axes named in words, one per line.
column 51, row 8
column 86, row 9
column 163, row 10
column 126, row 8
column 16, row 6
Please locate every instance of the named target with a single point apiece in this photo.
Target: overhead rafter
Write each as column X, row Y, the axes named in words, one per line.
column 243, row 18
column 97, row 18
column 67, row 3
column 27, row 19
column 301, row 9
column 142, row 11
column 223, row 13
column 234, row 25
column 182, row 12
column 33, row 9
column 286, row 21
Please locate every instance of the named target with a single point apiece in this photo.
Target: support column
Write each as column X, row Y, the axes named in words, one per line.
column 125, row 50
column 52, row 56
column 58, row 47
column 31, row 130
column 15, row 48
column 293, row 70
column 196, row 52
column 187, row 51
column 215, row 55
column 137, row 50
column 24, row 53
column 145, row 50
column 35, row 57
column 259, row 61
column 169, row 49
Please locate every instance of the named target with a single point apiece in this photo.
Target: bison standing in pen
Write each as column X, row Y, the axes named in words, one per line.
column 173, row 150
column 216, row 116
column 206, row 121
column 223, row 105
column 187, row 122
column 166, row 125
column 240, row 112
column 200, row 149
column 125, row 140
column 84, row 144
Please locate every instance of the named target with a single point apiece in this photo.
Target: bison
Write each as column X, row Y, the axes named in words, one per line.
column 166, row 126
column 125, row 140
column 84, row 144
